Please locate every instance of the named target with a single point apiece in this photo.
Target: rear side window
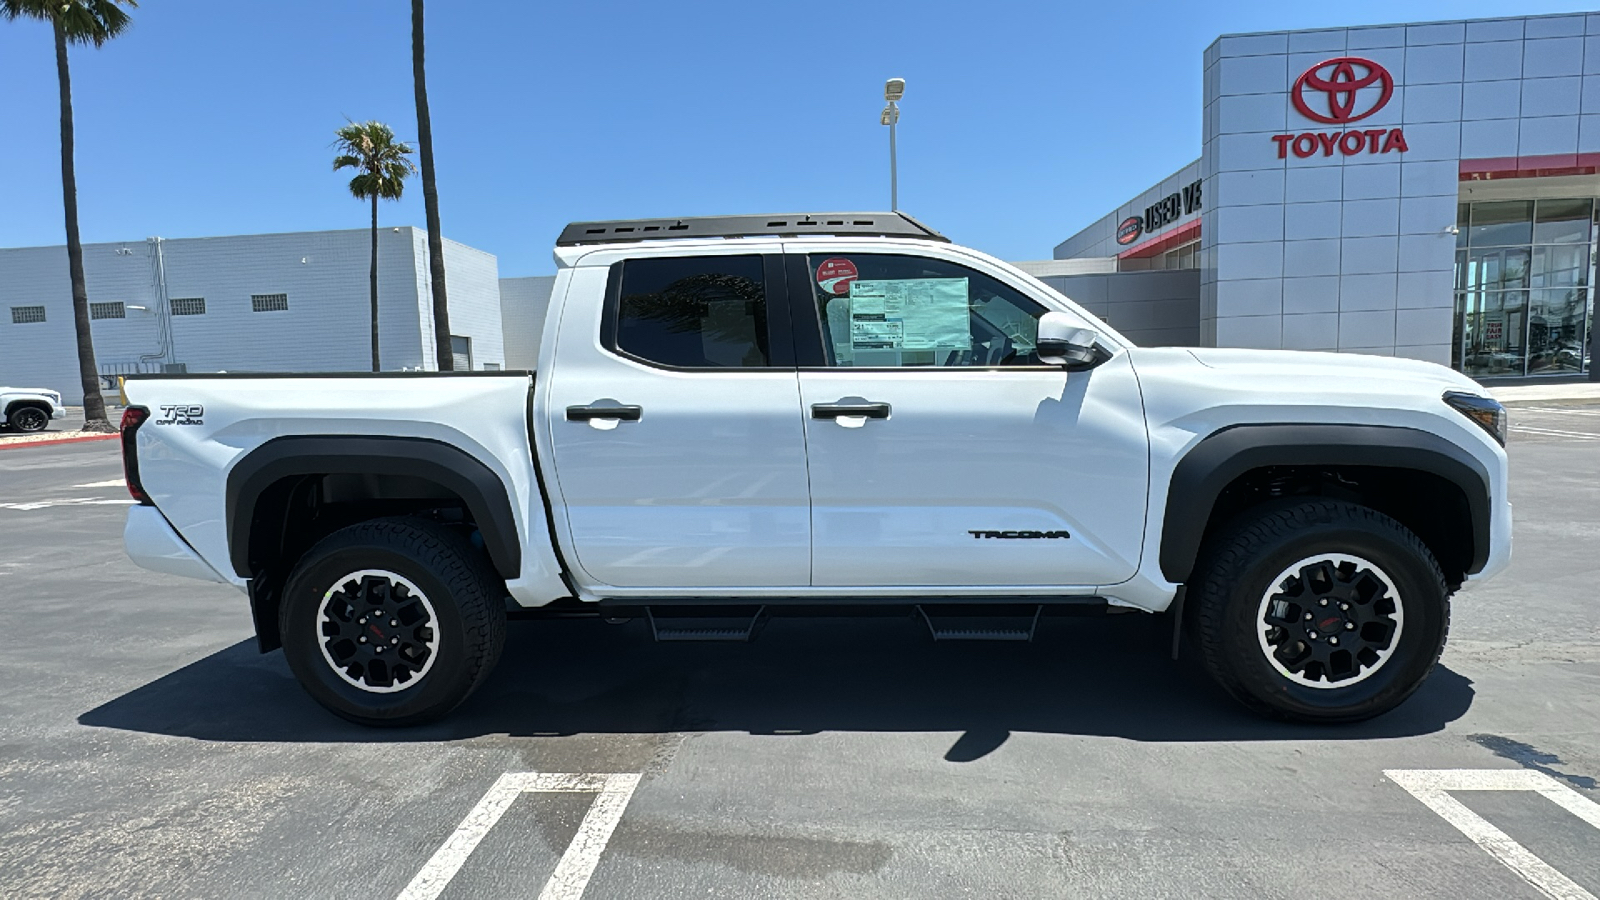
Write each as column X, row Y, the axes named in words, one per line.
column 693, row 312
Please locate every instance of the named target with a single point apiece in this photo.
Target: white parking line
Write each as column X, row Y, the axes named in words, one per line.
column 1552, row 432
column 69, row 501
column 115, row 482
column 577, row 862
column 1432, row 787
column 1559, row 410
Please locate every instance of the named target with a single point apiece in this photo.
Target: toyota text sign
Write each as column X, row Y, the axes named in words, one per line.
column 1341, row 91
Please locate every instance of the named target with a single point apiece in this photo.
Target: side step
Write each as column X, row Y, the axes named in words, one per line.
column 981, row 623
column 701, row 623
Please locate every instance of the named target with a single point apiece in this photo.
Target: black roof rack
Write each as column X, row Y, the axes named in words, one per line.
column 876, row 224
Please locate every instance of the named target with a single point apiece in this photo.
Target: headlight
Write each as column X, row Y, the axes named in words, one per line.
column 1485, row 411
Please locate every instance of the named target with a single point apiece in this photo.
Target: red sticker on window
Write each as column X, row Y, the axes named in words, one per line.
column 835, row 275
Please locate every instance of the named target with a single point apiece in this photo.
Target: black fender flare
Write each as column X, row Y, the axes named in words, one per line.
column 1211, row 465
column 456, row 470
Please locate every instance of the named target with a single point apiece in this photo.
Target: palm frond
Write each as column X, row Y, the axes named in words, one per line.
column 84, row 21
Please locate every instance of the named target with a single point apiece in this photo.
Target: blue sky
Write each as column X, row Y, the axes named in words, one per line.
column 1022, row 122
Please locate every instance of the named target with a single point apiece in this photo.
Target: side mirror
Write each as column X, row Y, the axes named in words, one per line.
column 1064, row 342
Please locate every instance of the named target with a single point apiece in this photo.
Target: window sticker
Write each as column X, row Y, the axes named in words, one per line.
column 910, row 314
column 835, row 275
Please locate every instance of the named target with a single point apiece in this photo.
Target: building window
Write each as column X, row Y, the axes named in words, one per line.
column 269, row 302
column 1184, row 257
column 189, row 306
column 24, row 315
column 113, row 310
column 1524, row 276
column 491, row 367
column 461, row 353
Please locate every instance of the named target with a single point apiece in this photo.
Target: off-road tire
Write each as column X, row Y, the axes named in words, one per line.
column 1235, row 585
column 459, row 585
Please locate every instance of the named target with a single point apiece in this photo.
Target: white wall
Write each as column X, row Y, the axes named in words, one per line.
column 326, row 328
column 472, row 282
column 523, row 302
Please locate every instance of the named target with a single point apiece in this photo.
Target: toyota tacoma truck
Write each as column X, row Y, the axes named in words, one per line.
column 744, row 416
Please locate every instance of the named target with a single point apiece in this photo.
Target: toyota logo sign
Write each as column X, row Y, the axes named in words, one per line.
column 1337, row 92
column 1334, row 86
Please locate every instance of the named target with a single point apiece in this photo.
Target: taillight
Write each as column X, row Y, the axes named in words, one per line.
column 132, row 418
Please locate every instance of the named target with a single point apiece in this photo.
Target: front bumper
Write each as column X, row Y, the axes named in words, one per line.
column 153, row 544
column 1499, row 545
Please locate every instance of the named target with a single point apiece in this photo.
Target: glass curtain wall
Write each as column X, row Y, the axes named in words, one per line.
column 1524, row 270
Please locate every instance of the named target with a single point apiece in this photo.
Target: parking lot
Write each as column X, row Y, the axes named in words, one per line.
column 149, row 750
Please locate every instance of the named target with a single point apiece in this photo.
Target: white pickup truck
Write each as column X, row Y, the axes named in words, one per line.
column 739, row 417
column 29, row 409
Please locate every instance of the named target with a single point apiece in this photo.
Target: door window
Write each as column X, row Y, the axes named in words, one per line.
column 884, row 310
column 692, row 311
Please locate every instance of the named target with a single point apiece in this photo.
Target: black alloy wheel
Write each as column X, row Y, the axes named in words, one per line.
column 378, row 631
column 1330, row 620
column 29, row 419
column 1320, row 611
column 393, row 621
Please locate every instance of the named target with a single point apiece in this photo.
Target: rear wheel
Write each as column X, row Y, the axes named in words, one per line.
column 392, row 621
column 1321, row 611
column 28, row 419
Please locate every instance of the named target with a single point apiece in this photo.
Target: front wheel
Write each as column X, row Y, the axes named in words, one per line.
column 392, row 621
column 29, row 419
column 1322, row 611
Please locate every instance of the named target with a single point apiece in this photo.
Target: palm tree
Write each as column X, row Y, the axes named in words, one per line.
column 430, row 196
column 76, row 22
column 382, row 165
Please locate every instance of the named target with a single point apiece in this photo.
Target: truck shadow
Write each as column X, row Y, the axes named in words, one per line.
column 1108, row 677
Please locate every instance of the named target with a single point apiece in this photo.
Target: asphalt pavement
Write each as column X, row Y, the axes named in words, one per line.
column 148, row 750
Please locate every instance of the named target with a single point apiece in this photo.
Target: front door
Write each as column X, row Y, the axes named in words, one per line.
column 941, row 451
column 674, row 419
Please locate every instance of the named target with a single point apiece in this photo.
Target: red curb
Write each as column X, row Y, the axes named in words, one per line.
column 65, row 440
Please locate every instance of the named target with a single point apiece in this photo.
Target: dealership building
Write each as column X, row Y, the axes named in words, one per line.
column 1425, row 190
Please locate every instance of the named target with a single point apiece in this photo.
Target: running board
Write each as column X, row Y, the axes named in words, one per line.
column 679, row 623
column 979, row 623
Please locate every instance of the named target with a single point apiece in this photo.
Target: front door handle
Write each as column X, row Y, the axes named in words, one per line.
column 586, row 413
column 837, row 410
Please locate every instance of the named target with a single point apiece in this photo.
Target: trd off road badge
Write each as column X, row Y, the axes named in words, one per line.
column 181, row 415
column 1020, row 535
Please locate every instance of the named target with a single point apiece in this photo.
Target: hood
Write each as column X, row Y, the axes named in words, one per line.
column 1297, row 364
column 1197, row 385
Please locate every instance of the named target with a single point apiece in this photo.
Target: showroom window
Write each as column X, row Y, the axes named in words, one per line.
column 1524, row 271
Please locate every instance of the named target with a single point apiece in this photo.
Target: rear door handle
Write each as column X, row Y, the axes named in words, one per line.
column 836, row 410
column 585, row 413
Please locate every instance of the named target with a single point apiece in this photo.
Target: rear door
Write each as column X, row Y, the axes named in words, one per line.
column 674, row 417
column 941, row 451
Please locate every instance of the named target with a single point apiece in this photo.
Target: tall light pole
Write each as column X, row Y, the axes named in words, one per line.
column 893, row 90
